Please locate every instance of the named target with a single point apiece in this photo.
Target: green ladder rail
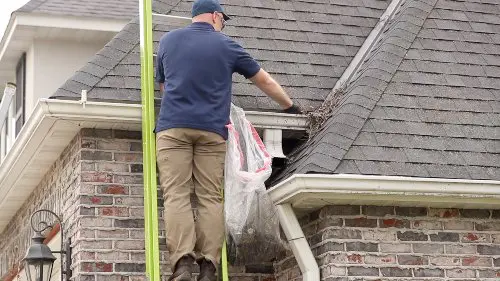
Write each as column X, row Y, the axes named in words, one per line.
column 148, row 143
column 148, row 139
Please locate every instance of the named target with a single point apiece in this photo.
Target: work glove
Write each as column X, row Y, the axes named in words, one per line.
column 294, row 109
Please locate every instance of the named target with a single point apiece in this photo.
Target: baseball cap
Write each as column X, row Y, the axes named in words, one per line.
column 207, row 6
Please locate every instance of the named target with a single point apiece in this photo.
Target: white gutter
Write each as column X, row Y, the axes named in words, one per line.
column 42, row 120
column 104, row 111
column 314, row 191
column 264, row 120
column 70, row 22
column 272, row 120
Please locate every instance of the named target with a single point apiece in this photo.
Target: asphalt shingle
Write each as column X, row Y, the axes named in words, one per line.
column 306, row 46
column 438, row 114
column 424, row 103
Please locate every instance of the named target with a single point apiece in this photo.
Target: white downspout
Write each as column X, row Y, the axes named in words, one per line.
column 298, row 243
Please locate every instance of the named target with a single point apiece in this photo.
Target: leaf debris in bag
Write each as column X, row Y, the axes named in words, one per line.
column 252, row 224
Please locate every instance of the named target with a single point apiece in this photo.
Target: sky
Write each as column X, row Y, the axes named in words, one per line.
column 6, row 8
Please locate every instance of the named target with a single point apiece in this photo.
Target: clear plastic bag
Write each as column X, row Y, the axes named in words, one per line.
column 252, row 225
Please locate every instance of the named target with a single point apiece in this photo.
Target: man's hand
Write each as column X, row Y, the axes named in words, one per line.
column 294, row 109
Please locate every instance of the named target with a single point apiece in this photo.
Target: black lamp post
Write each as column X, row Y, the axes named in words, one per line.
column 39, row 259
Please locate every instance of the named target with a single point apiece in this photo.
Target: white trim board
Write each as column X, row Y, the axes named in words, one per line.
column 314, row 191
column 53, row 21
column 83, row 23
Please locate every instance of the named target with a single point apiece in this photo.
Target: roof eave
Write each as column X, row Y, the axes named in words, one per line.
column 8, row 33
column 307, row 192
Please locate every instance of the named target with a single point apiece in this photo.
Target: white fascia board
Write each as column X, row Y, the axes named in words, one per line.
column 42, row 121
column 264, row 120
column 273, row 120
column 321, row 190
column 92, row 110
column 30, row 137
column 7, row 36
column 55, row 21
column 19, row 19
column 69, row 22
column 49, row 119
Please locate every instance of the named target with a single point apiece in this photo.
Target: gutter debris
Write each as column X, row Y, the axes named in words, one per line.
column 317, row 118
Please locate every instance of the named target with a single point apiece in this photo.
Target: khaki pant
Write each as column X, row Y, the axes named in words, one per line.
column 188, row 157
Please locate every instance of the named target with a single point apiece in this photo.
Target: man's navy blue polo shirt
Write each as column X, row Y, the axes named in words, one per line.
column 196, row 64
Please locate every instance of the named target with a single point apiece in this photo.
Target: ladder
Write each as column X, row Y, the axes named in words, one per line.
column 148, row 138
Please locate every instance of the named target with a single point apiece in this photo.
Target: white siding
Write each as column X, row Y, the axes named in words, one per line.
column 51, row 63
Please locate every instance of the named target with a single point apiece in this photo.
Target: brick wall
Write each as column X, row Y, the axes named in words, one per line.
column 97, row 186
column 57, row 191
column 399, row 243
column 111, row 206
column 111, row 245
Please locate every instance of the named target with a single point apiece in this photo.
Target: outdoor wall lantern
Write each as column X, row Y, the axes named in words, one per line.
column 39, row 259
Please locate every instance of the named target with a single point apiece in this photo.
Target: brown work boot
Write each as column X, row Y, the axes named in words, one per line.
column 207, row 271
column 183, row 269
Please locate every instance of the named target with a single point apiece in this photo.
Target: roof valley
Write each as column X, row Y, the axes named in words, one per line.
column 400, row 57
column 362, row 93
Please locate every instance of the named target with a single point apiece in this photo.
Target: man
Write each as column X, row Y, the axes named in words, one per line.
column 194, row 69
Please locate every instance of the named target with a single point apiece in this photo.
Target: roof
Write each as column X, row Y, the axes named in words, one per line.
column 425, row 103
column 120, row 9
column 306, row 46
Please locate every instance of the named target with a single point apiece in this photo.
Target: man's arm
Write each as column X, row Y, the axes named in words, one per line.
column 248, row 67
column 162, row 87
column 270, row 87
